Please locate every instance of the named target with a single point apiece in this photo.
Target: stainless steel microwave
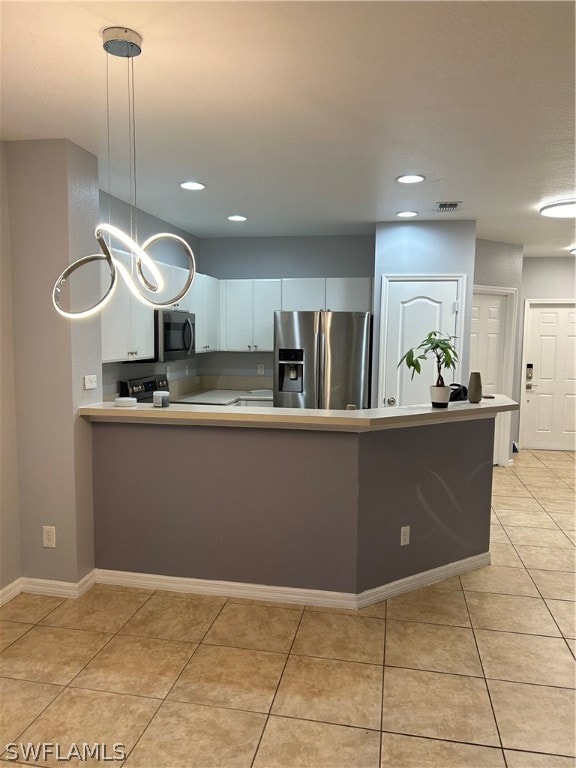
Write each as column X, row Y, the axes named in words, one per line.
column 174, row 335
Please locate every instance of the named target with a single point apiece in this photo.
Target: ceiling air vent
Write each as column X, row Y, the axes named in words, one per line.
column 447, row 207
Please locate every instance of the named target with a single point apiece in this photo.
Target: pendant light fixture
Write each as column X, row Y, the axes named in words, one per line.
column 125, row 43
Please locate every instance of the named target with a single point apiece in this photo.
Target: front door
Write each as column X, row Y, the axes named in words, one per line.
column 548, row 411
column 411, row 308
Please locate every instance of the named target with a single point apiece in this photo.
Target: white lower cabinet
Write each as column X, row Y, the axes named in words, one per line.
column 127, row 326
column 247, row 314
column 203, row 302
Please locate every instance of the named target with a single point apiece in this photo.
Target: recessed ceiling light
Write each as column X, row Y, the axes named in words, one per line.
column 410, row 178
column 193, row 185
column 561, row 209
column 237, row 217
column 406, row 214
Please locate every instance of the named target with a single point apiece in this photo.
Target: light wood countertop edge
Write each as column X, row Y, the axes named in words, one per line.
column 369, row 420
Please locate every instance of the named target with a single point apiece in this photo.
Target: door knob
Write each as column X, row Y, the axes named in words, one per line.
column 391, row 401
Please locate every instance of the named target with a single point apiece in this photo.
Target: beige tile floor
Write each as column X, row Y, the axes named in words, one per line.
column 474, row 672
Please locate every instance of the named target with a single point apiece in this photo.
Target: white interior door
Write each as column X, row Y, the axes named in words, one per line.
column 411, row 308
column 487, row 344
column 548, row 412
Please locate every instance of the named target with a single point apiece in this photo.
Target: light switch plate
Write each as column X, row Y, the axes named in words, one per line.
column 91, row 381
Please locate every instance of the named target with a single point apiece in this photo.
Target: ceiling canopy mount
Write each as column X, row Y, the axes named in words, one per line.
column 120, row 41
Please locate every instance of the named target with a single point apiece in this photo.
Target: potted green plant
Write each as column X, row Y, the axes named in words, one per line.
column 441, row 347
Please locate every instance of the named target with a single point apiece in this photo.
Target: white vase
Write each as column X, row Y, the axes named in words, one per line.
column 440, row 397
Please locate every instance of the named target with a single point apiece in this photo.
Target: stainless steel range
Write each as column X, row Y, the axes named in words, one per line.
column 143, row 388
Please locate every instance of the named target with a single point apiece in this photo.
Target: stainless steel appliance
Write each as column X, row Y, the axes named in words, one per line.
column 174, row 335
column 142, row 389
column 321, row 359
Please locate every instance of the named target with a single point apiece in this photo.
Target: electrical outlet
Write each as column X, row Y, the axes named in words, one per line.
column 261, row 369
column 404, row 535
column 49, row 536
column 91, row 381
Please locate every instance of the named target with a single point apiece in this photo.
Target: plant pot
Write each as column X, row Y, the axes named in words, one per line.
column 440, row 396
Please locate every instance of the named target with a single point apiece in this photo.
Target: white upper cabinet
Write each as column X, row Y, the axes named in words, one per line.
column 267, row 300
column 340, row 294
column 174, row 280
column 203, row 302
column 236, row 315
column 247, row 314
column 349, row 294
column 303, row 293
column 127, row 324
column 212, row 313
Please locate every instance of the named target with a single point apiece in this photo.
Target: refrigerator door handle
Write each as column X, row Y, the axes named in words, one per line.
column 321, row 371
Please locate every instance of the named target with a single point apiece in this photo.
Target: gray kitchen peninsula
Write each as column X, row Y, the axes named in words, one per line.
column 326, row 507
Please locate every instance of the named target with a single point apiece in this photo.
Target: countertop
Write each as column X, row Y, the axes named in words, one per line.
column 224, row 396
column 371, row 419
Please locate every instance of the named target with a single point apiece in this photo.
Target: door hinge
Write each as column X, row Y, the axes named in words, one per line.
column 456, row 307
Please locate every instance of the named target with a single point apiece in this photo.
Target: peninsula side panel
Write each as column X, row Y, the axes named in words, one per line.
column 437, row 479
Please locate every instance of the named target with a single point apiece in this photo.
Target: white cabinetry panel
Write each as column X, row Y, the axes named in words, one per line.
column 301, row 294
column 267, row 299
column 349, row 294
column 127, row 324
column 247, row 314
column 203, row 302
column 340, row 294
column 237, row 302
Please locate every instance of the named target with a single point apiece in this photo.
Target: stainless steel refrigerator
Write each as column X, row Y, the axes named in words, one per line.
column 321, row 359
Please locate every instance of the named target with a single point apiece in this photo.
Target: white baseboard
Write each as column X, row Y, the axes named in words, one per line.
column 228, row 588
column 297, row 595
column 11, row 590
column 47, row 587
column 419, row 580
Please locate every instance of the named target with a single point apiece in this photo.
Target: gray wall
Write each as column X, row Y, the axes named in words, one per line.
column 500, row 265
column 549, row 278
column 299, row 508
column 53, row 210
column 268, row 257
column 117, row 212
column 424, row 248
column 10, row 564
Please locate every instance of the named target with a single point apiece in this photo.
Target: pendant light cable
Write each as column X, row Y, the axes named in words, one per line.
column 123, row 42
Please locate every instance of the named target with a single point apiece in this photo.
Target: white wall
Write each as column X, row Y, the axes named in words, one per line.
column 10, row 563
column 53, row 210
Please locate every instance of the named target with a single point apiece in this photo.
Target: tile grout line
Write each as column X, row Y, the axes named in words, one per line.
column 165, row 699
column 381, row 745
column 538, row 588
column 269, row 713
column 493, row 710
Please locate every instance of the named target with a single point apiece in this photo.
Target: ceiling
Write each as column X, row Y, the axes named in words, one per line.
column 300, row 115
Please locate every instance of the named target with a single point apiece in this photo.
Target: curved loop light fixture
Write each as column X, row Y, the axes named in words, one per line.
column 125, row 43
column 115, row 265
